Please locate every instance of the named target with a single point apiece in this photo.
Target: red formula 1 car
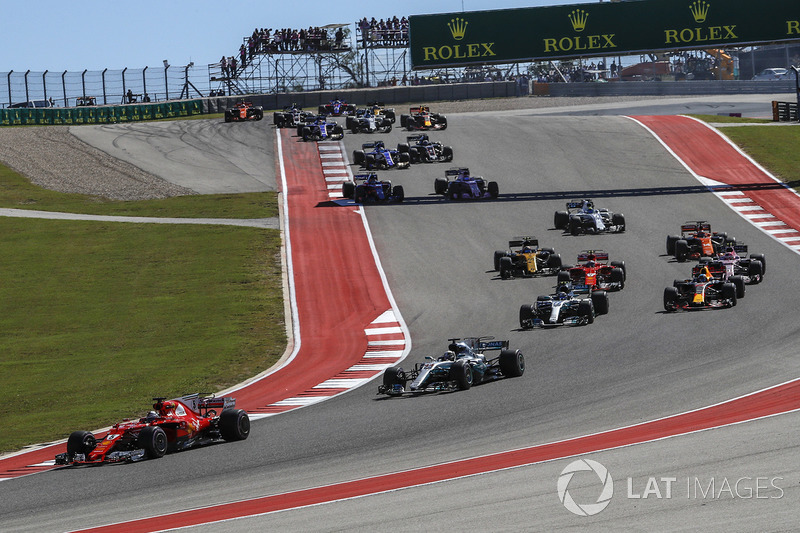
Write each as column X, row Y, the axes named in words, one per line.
column 244, row 111
column 594, row 272
column 421, row 118
column 173, row 425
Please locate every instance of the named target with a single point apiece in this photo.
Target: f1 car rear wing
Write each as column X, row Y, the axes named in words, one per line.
column 456, row 171
column 417, row 138
column 482, row 343
column 419, row 109
column 524, row 241
column 593, row 255
column 715, row 268
column 373, row 144
column 202, row 404
column 693, row 227
column 365, row 177
column 740, row 249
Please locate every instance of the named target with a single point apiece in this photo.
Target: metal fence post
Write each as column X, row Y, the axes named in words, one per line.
column 83, row 82
column 27, row 95
column 44, row 84
column 64, row 88
column 123, row 84
column 9, row 86
column 144, row 81
column 166, row 80
column 103, row 77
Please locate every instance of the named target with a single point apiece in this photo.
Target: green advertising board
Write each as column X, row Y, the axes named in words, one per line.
column 100, row 114
column 597, row 29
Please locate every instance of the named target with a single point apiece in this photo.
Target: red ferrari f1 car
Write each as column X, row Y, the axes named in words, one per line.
column 173, row 425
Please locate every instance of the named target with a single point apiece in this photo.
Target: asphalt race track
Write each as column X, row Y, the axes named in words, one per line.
column 633, row 365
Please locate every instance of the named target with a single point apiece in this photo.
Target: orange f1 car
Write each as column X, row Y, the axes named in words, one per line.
column 244, row 111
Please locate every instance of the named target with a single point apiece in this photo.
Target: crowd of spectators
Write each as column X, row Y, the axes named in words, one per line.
column 389, row 32
column 575, row 73
column 285, row 40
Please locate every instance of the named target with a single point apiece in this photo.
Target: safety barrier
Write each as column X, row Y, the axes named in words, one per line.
column 784, row 111
column 100, row 114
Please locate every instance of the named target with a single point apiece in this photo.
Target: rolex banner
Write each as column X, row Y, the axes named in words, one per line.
column 597, row 29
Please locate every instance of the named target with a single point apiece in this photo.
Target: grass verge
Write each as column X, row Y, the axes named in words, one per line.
column 97, row 318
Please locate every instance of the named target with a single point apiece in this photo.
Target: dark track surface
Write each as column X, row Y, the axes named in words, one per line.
column 635, row 364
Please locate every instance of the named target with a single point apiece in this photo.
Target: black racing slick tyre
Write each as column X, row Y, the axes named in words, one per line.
column 620, row 264
column 526, row 316
column 618, row 276
column 763, row 259
column 563, row 277
column 575, row 225
column 681, row 250
column 494, row 189
column 729, row 293
column 461, row 373
column 512, row 363
column 80, row 442
column 440, row 185
column 348, row 189
column 358, row 157
column 755, row 271
column 561, row 220
column 670, row 299
column 671, row 240
column 234, row 424
column 398, row 193
column 738, row 282
column 447, row 153
column 394, row 375
column 506, row 268
column 600, row 302
column 497, row 255
column 618, row 220
column 153, row 440
column 586, row 310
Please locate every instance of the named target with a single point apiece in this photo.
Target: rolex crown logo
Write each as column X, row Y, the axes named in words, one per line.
column 699, row 10
column 458, row 27
column 578, row 19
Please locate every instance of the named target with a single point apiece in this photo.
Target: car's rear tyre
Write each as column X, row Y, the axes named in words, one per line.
column 403, row 147
column 526, row 316
column 763, row 259
column 348, row 189
column 153, row 440
column 620, row 264
column 494, row 189
column 234, row 424
column 600, row 302
column 755, row 270
column 398, row 193
column 563, row 277
column 554, row 261
column 369, row 161
column 461, row 373
column 618, row 276
column 80, row 442
column 447, row 153
column 358, row 157
column 512, row 363
column 618, row 220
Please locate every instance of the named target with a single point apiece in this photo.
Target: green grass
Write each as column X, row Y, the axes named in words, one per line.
column 97, row 318
column 774, row 147
column 17, row 192
column 728, row 119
